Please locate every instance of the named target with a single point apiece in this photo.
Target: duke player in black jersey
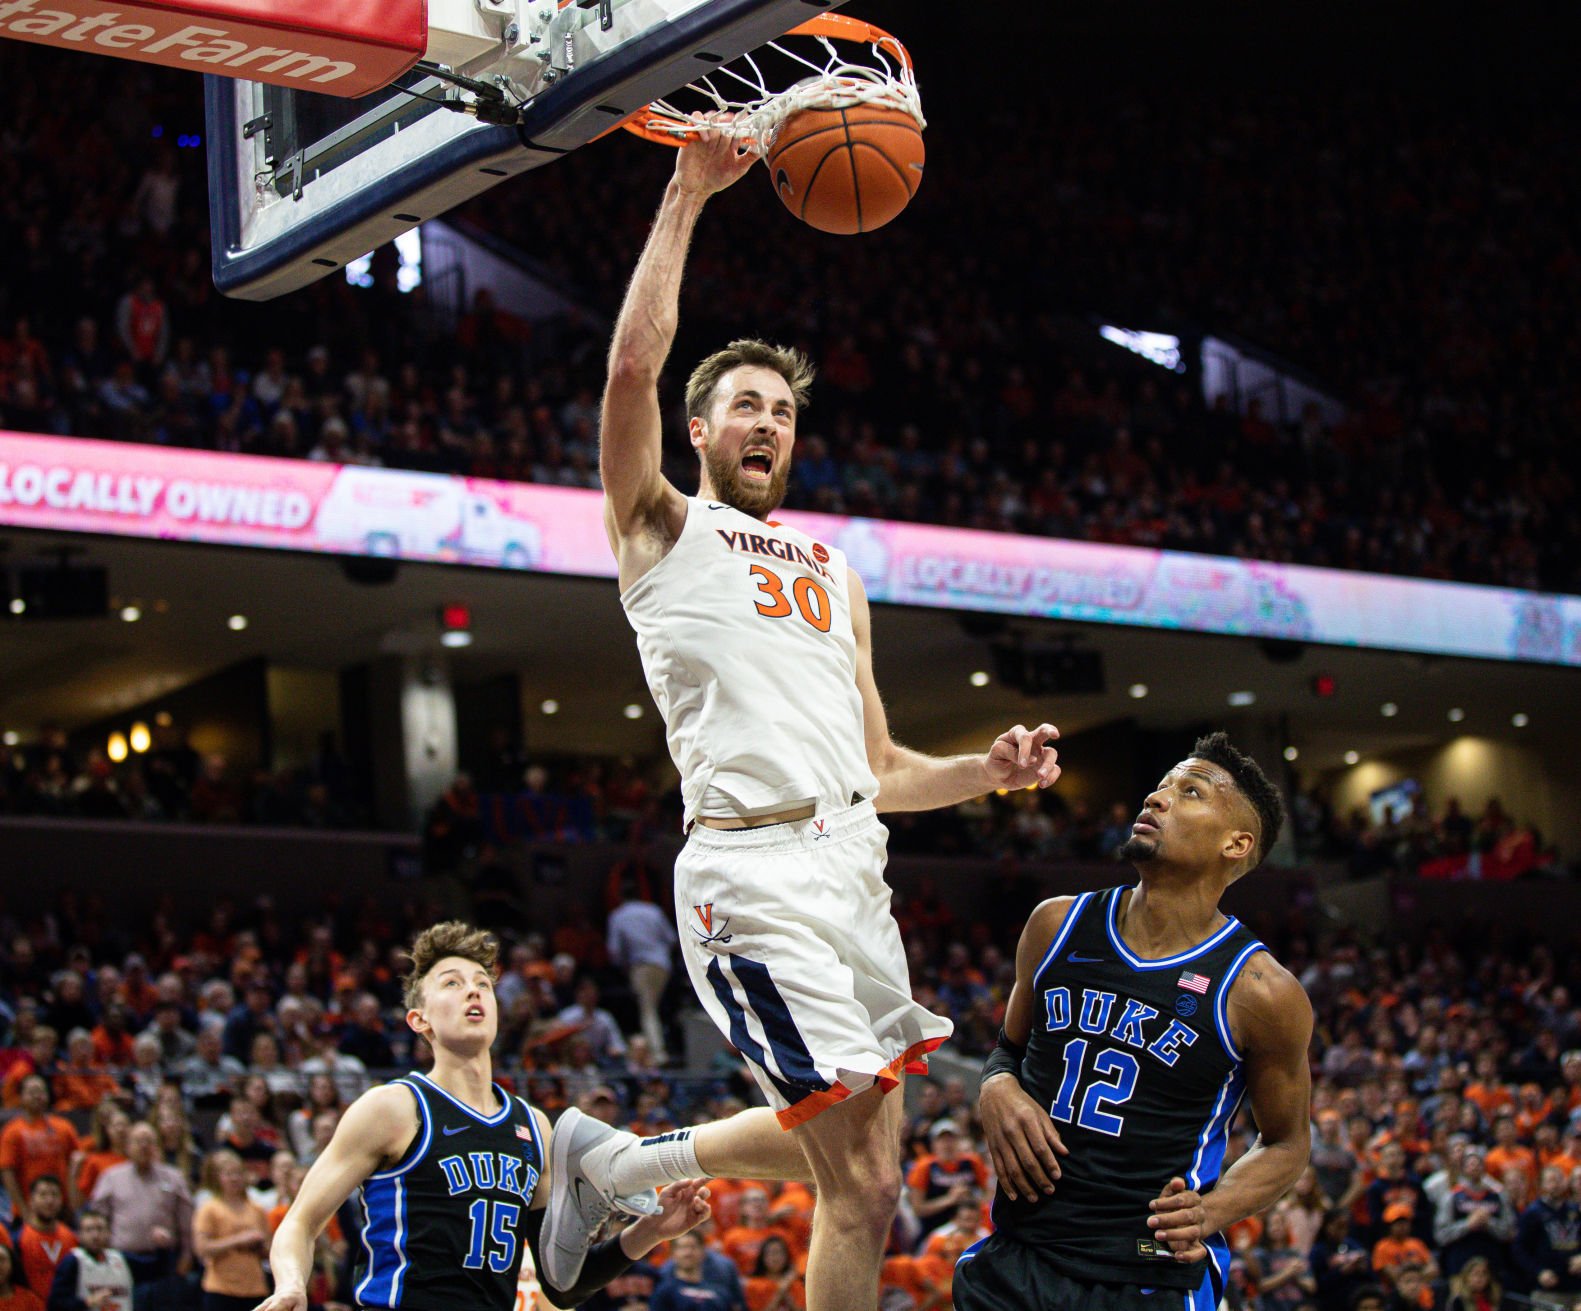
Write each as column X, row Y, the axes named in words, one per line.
column 1139, row 1021
column 453, row 1170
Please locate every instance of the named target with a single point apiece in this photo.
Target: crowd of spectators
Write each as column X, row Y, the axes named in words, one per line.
column 959, row 379
column 171, row 781
column 171, row 1082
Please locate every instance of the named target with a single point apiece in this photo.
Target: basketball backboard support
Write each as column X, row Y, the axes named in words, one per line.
column 302, row 183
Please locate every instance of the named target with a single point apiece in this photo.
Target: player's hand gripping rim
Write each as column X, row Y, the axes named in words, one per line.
column 1022, row 1140
column 1180, row 1220
column 713, row 158
column 1023, row 756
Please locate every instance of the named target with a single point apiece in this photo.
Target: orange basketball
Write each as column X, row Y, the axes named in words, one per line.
column 847, row 170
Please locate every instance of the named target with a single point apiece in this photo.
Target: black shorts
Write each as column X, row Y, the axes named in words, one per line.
column 1000, row 1274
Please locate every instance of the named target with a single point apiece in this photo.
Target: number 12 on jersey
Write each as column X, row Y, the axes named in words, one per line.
column 1120, row 1067
column 811, row 600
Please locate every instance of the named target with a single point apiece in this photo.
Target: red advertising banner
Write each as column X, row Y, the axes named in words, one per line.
column 339, row 47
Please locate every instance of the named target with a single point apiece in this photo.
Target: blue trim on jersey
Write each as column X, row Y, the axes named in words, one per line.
column 779, row 1026
column 383, row 1230
column 1208, row 1159
column 1112, row 928
column 1071, row 916
column 971, row 1251
column 416, row 1153
column 538, row 1144
column 1217, row 1278
column 1221, row 1001
column 498, row 1117
column 740, row 1036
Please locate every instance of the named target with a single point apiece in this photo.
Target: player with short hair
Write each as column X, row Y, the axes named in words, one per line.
column 452, row 1168
column 756, row 640
column 1139, row 1020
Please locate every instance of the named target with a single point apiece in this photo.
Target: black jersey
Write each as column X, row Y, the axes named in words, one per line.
column 1135, row 1062
column 442, row 1229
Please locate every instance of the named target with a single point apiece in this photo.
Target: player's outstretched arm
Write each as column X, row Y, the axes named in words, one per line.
column 1022, row 1139
column 911, row 780
column 630, row 447
column 377, row 1127
column 1271, row 1020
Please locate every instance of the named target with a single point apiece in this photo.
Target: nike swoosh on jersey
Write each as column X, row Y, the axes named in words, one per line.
column 460, row 1128
column 1075, row 958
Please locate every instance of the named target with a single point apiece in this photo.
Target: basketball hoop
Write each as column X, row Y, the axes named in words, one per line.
column 889, row 82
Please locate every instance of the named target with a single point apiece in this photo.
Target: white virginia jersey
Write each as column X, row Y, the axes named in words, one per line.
column 744, row 629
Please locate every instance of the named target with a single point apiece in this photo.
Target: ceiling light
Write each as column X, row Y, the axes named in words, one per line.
column 550, row 707
column 131, row 613
column 1456, row 715
column 1137, row 691
column 1351, row 757
column 1388, row 710
column 18, row 605
column 1520, row 719
column 1243, row 698
column 140, row 738
column 236, row 623
column 455, row 637
column 116, row 748
column 633, row 711
column 1291, row 753
column 11, row 738
column 979, row 678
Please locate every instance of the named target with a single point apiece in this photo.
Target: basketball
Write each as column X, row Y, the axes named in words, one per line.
column 847, row 170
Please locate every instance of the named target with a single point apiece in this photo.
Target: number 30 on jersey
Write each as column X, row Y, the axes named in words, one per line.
column 812, row 602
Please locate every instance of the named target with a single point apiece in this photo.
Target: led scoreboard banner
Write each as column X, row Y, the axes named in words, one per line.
column 67, row 484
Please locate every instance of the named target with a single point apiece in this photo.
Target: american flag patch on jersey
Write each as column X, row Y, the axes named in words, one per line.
column 522, row 1131
column 1195, row 982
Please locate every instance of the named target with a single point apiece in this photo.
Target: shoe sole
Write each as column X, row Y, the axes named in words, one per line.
column 561, row 1198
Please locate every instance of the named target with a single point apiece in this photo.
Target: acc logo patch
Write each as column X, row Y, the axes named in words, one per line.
column 1185, row 1005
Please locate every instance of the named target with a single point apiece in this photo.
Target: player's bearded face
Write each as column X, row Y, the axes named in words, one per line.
column 734, row 485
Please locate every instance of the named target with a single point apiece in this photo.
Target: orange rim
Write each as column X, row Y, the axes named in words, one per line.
column 663, row 130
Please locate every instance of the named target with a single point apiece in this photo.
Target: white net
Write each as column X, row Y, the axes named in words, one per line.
column 757, row 111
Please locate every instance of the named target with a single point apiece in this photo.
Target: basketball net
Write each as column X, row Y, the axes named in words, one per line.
column 757, row 115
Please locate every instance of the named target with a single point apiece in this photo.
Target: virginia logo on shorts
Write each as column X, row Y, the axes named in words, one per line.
column 705, row 917
column 820, row 829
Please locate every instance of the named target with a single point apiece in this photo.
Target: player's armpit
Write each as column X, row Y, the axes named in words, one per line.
column 376, row 1130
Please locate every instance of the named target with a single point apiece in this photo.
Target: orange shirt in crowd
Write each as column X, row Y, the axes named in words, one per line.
column 792, row 1211
column 1391, row 1252
column 11, row 1085
column 35, row 1147
column 39, row 1253
column 940, row 1273
column 948, row 1243
column 724, row 1197
column 1491, row 1098
column 929, row 1168
column 1501, row 1159
column 742, row 1244
column 761, row 1290
column 237, row 1271
column 82, row 1090
column 111, row 1049
column 21, row 1299
column 332, row 1229
column 903, row 1274
column 1528, row 1118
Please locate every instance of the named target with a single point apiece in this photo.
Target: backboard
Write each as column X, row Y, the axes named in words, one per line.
column 301, row 183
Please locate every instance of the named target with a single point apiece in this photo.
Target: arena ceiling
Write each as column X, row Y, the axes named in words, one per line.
column 568, row 641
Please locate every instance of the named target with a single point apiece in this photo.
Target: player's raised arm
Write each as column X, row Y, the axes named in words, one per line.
column 637, row 497
column 1271, row 1021
column 912, row 780
column 377, row 1128
column 1022, row 1139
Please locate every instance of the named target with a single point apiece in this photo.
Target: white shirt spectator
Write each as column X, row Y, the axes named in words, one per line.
column 639, row 934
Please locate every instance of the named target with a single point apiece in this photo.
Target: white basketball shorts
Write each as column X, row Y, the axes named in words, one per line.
column 789, row 940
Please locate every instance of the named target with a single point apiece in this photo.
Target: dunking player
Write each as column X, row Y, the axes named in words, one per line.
column 756, row 643
column 452, row 1167
column 1139, row 1019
